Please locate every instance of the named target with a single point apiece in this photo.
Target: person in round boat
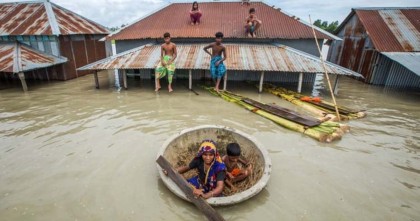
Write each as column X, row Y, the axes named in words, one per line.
column 211, row 171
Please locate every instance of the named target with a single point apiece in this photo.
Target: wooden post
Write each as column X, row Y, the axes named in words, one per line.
column 225, row 81
column 261, row 82
column 190, row 79
column 199, row 202
column 336, row 85
column 23, row 81
column 124, row 73
column 96, row 79
column 300, row 83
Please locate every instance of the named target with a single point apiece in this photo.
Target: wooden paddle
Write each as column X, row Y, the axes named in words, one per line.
column 199, row 202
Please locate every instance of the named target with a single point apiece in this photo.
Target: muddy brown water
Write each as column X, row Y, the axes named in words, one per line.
column 71, row 152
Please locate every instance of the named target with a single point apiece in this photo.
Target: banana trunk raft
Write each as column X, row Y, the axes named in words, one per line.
column 319, row 107
column 326, row 131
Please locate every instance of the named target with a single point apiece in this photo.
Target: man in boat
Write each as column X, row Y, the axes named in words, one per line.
column 235, row 171
column 211, row 171
column 166, row 64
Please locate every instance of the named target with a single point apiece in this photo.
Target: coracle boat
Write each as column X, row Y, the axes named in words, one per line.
column 181, row 148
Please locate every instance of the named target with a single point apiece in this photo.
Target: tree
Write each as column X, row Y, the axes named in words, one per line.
column 325, row 26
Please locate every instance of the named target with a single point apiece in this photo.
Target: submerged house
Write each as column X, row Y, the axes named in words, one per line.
column 383, row 44
column 41, row 40
column 284, row 50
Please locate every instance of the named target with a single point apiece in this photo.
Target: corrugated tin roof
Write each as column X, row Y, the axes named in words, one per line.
column 393, row 29
column 410, row 60
column 227, row 17
column 43, row 18
column 17, row 57
column 245, row 57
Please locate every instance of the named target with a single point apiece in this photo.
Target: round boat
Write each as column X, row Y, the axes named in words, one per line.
column 181, row 148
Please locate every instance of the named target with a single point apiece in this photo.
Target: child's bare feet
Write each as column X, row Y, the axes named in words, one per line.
column 170, row 88
column 157, row 89
column 254, row 35
column 216, row 89
column 249, row 35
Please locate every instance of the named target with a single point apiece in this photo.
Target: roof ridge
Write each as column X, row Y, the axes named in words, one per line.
column 51, row 18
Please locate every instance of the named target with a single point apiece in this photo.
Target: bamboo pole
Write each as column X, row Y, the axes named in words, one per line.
column 325, row 70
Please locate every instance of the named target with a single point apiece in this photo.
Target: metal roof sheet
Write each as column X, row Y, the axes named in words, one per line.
column 227, row 17
column 410, row 60
column 43, row 18
column 244, row 57
column 17, row 57
column 393, row 29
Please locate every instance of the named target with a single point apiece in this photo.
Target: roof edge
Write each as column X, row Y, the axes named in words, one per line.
column 313, row 57
column 343, row 23
column 86, row 67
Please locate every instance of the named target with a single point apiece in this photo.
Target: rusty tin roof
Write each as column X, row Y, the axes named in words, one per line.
column 227, row 17
column 43, row 18
column 391, row 29
column 17, row 57
column 243, row 57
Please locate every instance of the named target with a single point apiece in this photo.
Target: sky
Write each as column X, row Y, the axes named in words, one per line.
column 112, row 13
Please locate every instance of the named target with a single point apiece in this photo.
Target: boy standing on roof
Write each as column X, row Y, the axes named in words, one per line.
column 217, row 68
column 166, row 64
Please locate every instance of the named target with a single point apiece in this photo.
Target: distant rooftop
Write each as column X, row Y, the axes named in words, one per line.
column 44, row 18
column 391, row 29
column 227, row 17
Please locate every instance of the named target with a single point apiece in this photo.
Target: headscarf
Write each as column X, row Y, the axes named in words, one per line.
column 217, row 164
column 209, row 146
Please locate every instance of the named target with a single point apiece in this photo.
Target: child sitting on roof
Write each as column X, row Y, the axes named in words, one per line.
column 195, row 14
column 166, row 64
column 235, row 171
column 252, row 23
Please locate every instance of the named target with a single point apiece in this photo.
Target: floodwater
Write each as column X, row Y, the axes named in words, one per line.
column 71, row 152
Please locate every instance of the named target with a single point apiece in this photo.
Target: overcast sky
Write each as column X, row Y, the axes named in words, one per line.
column 111, row 13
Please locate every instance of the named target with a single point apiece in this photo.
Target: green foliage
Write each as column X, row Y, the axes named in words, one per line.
column 327, row 27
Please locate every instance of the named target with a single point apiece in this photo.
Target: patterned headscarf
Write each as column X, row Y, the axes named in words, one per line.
column 209, row 146
column 216, row 165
